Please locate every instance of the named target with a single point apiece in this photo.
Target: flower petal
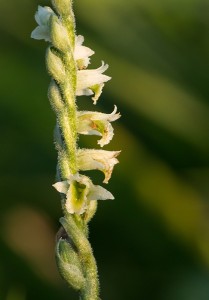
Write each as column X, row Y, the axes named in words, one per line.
column 41, row 33
column 84, row 92
column 82, row 53
column 79, row 40
column 43, row 15
column 95, row 115
column 61, row 186
column 97, row 192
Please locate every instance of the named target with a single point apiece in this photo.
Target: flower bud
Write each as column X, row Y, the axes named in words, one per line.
column 69, row 264
column 55, row 66
column 63, row 7
column 55, row 97
column 59, row 34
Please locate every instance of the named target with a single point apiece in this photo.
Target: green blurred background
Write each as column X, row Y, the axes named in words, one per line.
column 152, row 242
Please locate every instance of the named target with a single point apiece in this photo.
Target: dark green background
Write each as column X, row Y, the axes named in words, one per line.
column 152, row 242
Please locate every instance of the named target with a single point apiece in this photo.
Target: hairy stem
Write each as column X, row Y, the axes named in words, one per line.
column 90, row 290
column 76, row 259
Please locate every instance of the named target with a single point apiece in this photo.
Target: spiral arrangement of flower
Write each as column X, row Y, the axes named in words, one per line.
column 67, row 60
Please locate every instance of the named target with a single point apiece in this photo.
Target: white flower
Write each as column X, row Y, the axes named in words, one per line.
column 42, row 17
column 96, row 123
column 91, row 159
column 91, row 82
column 79, row 191
column 82, row 53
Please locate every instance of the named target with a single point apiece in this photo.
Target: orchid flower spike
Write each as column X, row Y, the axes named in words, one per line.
column 67, row 60
column 79, row 191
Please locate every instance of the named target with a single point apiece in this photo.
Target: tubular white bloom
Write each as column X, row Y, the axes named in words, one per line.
column 91, row 82
column 82, row 53
column 96, row 123
column 42, row 17
column 79, row 191
column 92, row 159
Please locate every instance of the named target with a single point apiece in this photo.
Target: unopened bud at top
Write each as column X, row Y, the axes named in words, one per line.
column 63, row 7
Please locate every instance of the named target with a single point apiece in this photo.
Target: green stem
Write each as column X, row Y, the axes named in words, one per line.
column 62, row 60
column 90, row 291
column 68, row 129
